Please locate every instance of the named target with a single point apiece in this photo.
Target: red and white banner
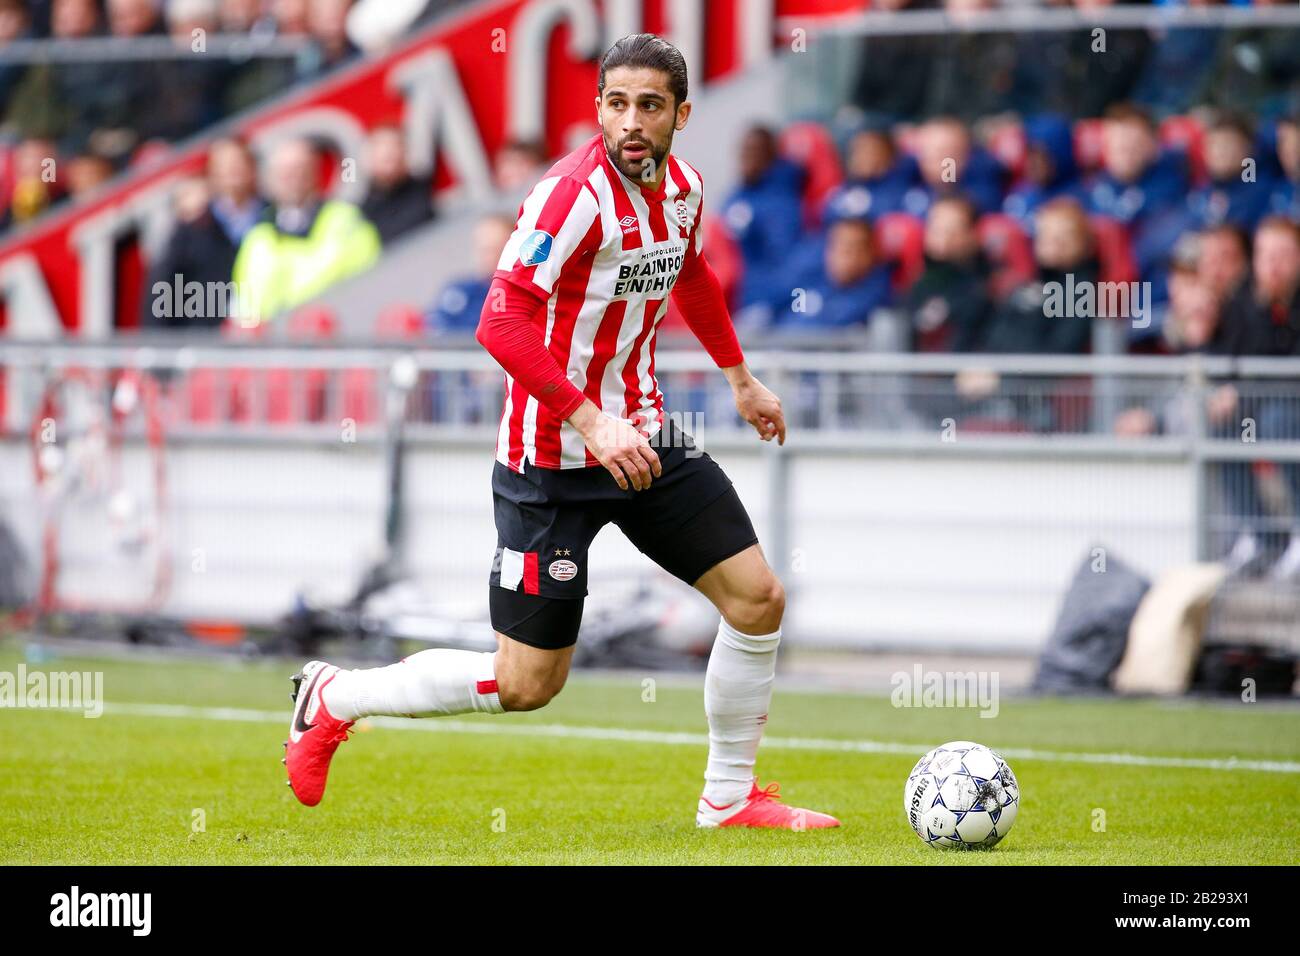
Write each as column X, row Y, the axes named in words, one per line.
column 523, row 69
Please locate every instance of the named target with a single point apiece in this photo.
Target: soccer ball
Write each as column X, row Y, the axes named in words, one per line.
column 961, row 796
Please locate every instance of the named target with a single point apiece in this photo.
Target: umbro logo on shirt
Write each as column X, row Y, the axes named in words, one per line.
column 628, row 223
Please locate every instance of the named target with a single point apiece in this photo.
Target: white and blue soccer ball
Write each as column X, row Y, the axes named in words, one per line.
column 961, row 796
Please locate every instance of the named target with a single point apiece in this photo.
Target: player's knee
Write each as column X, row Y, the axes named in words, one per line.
column 529, row 693
column 759, row 606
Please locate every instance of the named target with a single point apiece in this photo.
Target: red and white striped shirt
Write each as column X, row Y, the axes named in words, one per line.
column 603, row 253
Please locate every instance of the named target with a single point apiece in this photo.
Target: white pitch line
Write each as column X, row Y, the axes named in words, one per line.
column 445, row 725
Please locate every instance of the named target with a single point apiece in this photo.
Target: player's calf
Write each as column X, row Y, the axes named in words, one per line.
column 529, row 678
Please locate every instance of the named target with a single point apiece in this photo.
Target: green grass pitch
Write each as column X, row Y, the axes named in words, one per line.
column 134, row 785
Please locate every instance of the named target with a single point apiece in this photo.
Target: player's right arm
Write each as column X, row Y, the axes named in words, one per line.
column 558, row 223
column 624, row 451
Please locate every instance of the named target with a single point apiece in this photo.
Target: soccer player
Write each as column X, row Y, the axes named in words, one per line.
column 610, row 232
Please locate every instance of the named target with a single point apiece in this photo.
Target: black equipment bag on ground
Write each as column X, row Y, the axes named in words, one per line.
column 1091, row 632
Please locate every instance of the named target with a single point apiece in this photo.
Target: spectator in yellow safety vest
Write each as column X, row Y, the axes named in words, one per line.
column 304, row 243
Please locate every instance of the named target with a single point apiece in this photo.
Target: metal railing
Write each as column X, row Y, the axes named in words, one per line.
column 1242, row 448
column 908, row 490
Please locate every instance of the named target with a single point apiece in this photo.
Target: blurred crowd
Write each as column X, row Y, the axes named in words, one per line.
column 68, row 125
column 1076, row 73
column 272, row 239
column 963, row 235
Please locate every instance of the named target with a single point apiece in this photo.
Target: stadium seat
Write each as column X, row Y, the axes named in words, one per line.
column 217, row 395
column 297, row 395
column 1185, row 133
column 1114, row 250
column 727, row 263
column 812, row 147
column 1088, row 139
column 1008, row 145
column 312, row 323
column 1009, row 251
column 900, row 238
column 359, row 387
column 992, row 425
column 399, row 323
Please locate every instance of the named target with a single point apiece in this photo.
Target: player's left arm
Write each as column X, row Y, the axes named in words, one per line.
column 698, row 295
column 756, row 403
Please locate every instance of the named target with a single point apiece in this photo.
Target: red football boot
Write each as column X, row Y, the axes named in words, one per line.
column 314, row 733
column 762, row 808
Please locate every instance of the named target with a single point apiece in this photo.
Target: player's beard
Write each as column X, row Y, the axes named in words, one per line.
column 642, row 170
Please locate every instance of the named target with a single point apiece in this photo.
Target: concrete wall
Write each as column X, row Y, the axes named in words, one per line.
column 889, row 549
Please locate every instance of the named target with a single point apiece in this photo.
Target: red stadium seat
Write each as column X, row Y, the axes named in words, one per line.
column 1008, row 145
column 313, row 323
column 213, row 396
column 1186, row 133
column 1089, row 135
column 812, row 147
column 723, row 253
column 360, row 387
column 900, row 239
column 1114, row 250
column 990, row 425
column 399, row 323
column 360, row 396
column 1008, row 249
column 724, row 256
column 301, row 394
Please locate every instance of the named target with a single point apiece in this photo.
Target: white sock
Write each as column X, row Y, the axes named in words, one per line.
column 737, row 693
column 428, row 684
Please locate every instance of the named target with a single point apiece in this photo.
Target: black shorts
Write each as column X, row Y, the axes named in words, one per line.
column 688, row 520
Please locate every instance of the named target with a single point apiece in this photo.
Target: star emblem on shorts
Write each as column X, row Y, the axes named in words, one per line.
column 565, row 552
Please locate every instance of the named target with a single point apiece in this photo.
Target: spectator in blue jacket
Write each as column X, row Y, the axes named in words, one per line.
column 1239, row 187
column 875, row 177
column 951, row 165
column 458, row 306
column 1137, row 181
column 1143, row 188
column 1050, row 169
column 764, row 214
column 1285, row 198
column 844, row 288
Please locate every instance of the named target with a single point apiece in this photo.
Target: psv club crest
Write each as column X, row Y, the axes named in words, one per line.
column 683, row 214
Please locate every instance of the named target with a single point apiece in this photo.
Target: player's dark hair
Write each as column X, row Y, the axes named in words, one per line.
column 647, row 51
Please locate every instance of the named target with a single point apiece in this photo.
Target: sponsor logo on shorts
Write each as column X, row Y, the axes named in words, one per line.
column 562, row 570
